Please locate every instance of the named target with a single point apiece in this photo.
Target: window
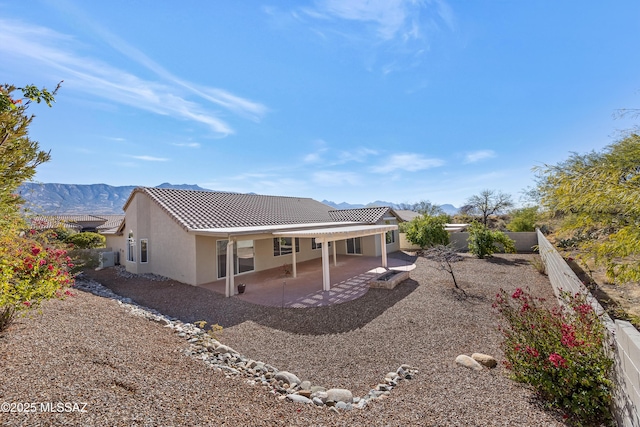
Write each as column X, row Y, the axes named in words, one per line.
column 144, row 247
column 243, row 257
column 391, row 237
column 283, row 246
column 315, row 245
column 131, row 248
column 354, row 246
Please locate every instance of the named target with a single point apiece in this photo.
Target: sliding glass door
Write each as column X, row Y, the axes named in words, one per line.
column 243, row 257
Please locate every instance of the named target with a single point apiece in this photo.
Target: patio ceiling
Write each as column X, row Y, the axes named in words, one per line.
column 330, row 234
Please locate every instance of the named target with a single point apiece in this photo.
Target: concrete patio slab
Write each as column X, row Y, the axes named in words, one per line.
column 349, row 280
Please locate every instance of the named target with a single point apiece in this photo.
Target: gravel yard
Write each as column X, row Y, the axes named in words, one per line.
column 131, row 371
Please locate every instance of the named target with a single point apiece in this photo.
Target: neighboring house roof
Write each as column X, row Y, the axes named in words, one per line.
column 369, row 215
column 407, row 215
column 197, row 210
column 78, row 222
column 112, row 225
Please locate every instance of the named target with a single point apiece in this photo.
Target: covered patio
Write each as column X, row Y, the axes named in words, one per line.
column 350, row 277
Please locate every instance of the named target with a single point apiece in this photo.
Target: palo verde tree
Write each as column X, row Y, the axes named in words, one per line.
column 426, row 231
column 488, row 202
column 597, row 197
column 32, row 266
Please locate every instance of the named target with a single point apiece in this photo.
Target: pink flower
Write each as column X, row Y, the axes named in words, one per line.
column 69, row 293
column 557, row 360
column 27, row 303
column 569, row 336
column 35, row 250
column 584, row 309
column 532, row 351
column 517, row 294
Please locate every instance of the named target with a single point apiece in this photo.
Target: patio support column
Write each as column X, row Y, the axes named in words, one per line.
column 335, row 257
column 229, row 291
column 326, row 280
column 293, row 258
column 383, row 247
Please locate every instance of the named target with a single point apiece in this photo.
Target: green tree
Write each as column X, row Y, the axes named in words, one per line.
column 426, row 231
column 32, row 267
column 488, row 202
column 19, row 155
column 86, row 240
column 523, row 219
column 484, row 242
column 596, row 196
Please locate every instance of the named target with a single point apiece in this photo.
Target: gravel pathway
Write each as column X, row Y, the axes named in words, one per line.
column 131, row 371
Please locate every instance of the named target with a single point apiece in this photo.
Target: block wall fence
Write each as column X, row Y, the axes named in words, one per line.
column 624, row 338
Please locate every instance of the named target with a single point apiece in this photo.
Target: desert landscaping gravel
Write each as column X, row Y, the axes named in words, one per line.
column 129, row 371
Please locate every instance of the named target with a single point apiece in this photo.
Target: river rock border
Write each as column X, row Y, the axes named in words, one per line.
column 223, row 359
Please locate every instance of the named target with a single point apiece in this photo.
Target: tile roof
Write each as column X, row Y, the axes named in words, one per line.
column 368, row 215
column 207, row 209
column 407, row 215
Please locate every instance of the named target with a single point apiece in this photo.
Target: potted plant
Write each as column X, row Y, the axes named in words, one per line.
column 241, row 288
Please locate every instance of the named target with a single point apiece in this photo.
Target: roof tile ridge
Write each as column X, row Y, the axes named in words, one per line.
column 163, row 205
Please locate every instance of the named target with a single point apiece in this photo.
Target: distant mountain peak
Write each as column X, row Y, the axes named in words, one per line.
column 58, row 199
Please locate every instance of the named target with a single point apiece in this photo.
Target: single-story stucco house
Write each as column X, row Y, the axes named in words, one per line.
column 198, row 237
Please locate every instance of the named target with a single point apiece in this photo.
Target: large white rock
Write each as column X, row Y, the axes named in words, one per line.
column 287, row 377
column 339, row 395
column 468, row 362
column 298, row 398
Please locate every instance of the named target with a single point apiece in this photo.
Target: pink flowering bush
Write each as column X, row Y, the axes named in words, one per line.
column 560, row 352
column 32, row 269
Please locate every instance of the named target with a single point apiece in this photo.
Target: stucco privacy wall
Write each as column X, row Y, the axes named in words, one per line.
column 524, row 241
column 624, row 337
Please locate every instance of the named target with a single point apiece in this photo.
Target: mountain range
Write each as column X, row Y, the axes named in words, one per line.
column 58, row 199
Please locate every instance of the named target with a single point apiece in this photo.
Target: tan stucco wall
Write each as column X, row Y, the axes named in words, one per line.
column 171, row 250
column 206, row 263
column 116, row 244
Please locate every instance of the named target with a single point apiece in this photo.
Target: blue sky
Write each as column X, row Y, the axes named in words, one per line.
column 344, row 100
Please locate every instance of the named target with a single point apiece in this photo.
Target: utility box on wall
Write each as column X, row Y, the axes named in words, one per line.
column 108, row 259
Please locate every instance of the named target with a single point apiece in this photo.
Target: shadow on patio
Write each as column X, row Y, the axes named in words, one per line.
column 349, row 280
column 195, row 303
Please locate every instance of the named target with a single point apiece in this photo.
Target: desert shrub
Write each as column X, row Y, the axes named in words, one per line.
column 523, row 219
column 484, row 242
column 32, row 269
column 426, row 231
column 539, row 265
column 86, row 240
column 560, row 352
column 83, row 259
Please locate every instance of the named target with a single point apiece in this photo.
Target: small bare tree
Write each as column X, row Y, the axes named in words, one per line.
column 487, row 203
column 446, row 256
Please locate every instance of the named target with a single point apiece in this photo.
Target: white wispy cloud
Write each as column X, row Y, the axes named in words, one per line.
column 150, row 158
column 391, row 19
column 476, row 156
column 36, row 46
column 336, row 178
column 187, row 144
column 358, row 155
column 407, row 162
column 332, row 157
